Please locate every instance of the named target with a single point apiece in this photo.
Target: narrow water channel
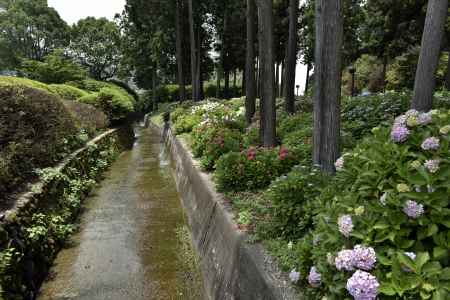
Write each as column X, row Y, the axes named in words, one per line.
column 133, row 240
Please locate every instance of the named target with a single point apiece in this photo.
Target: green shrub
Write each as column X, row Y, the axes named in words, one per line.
column 91, row 119
column 57, row 67
column 211, row 142
column 67, row 92
column 361, row 114
column 392, row 195
column 252, row 169
column 23, row 82
column 36, row 130
column 185, row 123
column 114, row 103
column 293, row 202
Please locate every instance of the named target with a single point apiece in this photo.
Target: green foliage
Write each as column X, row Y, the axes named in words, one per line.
column 30, row 31
column 252, row 169
column 36, row 130
column 91, row 119
column 40, row 230
column 7, row 81
column 116, row 104
column 361, row 114
column 373, row 188
column 57, row 67
column 211, row 142
column 186, row 123
column 96, row 43
column 293, row 202
column 67, row 92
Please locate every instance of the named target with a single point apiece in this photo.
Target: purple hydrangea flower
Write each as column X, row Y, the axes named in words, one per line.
column 314, row 277
column 432, row 165
column 399, row 134
column 339, row 164
column 294, row 276
column 363, row 286
column 344, row 260
column 413, row 209
column 425, row 118
column 431, row 143
column 345, row 225
column 364, row 258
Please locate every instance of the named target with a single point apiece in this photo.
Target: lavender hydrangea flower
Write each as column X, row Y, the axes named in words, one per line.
column 413, row 209
column 399, row 134
column 431, row 143
column 364, row 258
column 432, row 165
column 314, row 277
column 344, row 260
column 363, row 286
column 345, row 225
column 339, row 164
column 425, row 118
column 294, row 276
column 430, row 189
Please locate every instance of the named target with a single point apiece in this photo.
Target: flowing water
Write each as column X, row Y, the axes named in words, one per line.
column 133, row 241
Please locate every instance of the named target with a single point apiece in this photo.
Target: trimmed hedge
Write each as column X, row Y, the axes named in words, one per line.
column 36, row 130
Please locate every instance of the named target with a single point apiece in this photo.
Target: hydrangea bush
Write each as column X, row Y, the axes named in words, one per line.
column 253, row 168
column 384, row 234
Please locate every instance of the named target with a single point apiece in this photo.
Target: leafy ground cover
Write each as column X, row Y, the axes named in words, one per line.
column 377, row 230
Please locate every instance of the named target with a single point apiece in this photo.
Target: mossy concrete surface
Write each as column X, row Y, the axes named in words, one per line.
column 232, row 268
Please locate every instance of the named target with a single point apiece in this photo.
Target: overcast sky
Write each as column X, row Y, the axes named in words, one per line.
column 73, row 10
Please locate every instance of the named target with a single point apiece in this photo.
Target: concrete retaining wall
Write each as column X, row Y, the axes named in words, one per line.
column 232, row 268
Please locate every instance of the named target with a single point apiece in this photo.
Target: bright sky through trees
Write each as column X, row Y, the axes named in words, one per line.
column 72, row 11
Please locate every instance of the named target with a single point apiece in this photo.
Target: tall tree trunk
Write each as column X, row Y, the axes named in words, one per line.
column 179, row 50
column 235, row 79
column 250, row 82
column 384, row 72
column 226, row 87
column 155, row 87
column 258, row 74
column 328, row 58
column 268, row 113
column 198, row 69
column 308, row 70
column 283, row 77
column 425, row 81
column 291, row 57
column 447, row 78
column 193, row 53
column 277, row 79
column 218, row 72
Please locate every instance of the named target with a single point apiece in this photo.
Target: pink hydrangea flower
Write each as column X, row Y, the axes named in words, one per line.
column 432, row 165
column 339, row 164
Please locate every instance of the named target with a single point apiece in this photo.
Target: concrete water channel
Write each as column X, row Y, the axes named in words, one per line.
column 133, row 241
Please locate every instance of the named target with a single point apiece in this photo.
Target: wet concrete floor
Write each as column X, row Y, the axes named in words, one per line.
column 128, row 245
